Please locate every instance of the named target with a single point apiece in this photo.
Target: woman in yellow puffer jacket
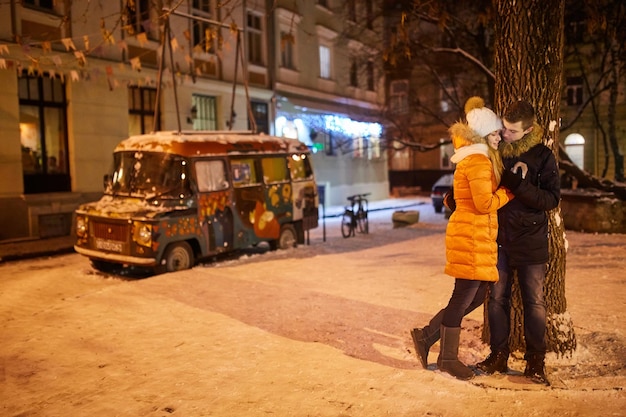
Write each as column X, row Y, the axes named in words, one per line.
column 471, row 249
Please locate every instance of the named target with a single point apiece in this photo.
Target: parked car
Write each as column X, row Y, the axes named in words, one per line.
column 440, row 188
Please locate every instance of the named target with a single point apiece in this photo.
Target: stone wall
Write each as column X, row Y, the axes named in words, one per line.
column 593, row 211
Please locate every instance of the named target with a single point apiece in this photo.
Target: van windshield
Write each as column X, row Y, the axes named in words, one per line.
column 148, row 175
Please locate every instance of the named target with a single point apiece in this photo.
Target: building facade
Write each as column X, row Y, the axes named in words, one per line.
column 78, row 77
column 426, row 92
column 329, row 93
column 593, row 105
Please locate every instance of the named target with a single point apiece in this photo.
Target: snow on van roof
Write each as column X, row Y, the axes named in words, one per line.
column 197, row 143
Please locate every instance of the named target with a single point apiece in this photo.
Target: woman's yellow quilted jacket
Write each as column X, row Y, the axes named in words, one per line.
column 471, row 249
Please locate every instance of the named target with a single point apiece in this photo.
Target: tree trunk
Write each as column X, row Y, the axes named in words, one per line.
column 618, row 157
column 529, row 65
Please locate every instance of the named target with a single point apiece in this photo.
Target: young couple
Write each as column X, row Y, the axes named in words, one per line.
column 499, row 225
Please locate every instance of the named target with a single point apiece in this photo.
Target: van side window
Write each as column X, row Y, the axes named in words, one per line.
column 211, row 176
column 244, row 172
column 275, row 169
column 300, row 167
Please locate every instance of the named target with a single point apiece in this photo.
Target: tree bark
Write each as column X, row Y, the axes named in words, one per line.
column 529, row 65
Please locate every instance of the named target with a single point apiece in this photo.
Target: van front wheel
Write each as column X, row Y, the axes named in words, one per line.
column 104, row 266
column 288, row 238
column 178, row 256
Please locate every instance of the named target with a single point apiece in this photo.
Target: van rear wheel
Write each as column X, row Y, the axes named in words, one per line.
column 178, row 256
column 288, row 238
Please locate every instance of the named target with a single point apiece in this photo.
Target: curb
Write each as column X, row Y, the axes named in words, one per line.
column 35, row 254
column 35, row 248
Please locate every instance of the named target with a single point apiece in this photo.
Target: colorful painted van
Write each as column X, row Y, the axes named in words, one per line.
column 176, row 197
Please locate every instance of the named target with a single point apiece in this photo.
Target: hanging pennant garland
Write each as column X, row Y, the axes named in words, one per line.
column 68, row 43
column 78, row 67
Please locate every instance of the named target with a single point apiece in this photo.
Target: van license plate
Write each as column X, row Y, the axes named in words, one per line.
column 109, row 245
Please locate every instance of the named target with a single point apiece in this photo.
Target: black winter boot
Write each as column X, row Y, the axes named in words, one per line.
column 535, row 369
column 423, row 339
column 495, row 362
column 448, row 360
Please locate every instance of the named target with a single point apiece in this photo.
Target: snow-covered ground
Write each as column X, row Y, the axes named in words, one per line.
column 319, row 330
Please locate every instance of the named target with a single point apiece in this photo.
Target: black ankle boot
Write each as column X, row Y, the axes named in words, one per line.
column 495, row 362
column 423, row 339
column 420, row 347
column 535, row 369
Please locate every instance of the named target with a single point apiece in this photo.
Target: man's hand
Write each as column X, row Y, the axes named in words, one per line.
column 520, row 165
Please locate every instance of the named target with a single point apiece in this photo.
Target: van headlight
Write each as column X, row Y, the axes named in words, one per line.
column 81, row 226
column 143, row 234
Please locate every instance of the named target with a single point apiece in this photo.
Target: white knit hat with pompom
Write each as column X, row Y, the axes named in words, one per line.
column 480, row 119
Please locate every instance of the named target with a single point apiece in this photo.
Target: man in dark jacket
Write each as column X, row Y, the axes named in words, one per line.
column 531, row 173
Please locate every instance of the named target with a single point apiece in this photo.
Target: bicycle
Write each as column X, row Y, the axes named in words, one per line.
column 355, row 216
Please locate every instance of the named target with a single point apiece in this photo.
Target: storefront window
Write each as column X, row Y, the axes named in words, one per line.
column 43, row 134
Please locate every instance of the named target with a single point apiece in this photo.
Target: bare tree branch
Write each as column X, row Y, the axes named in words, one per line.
column 469, row 57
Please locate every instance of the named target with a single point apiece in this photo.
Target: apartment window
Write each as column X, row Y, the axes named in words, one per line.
column 43, row 4
column 575, row 149
column 204, row 34
column 260, row 113
column 373, row 150
column 138, row 17
column 255, row 37
column 574, row 91
column 446, row 93
column 141, row 106
column 287, row 41
column 399, row 96
column 370, row 75
column 324, row 61
column 287, row 24
column 326, row 38
column 445, row 152
column 43, row 134
column 206, row 112
column 575, row 30
column 354, row 78
column 203, row 5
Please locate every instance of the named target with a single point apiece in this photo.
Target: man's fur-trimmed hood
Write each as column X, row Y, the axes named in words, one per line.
column 517, row 148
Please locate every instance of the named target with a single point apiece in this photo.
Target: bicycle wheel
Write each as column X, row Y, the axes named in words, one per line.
column 362, row 221
column 347, row 229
